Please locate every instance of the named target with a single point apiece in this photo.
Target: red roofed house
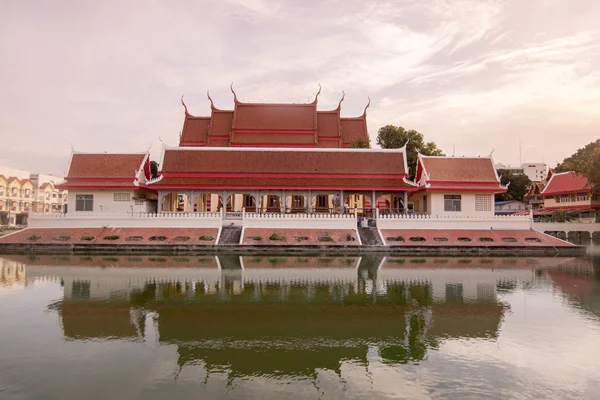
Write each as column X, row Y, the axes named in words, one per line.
column 569, row 191
column 113, row 183
column 456, row 186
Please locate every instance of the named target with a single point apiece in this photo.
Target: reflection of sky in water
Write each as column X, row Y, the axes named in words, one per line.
column 372, row 326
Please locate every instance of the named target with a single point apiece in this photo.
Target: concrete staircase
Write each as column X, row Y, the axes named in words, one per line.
column 230, row 235
column 370, row 237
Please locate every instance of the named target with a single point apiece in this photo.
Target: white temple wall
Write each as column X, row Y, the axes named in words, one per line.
column 104, row 202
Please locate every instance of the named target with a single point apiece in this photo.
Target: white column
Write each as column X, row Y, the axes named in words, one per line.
column 405, row 201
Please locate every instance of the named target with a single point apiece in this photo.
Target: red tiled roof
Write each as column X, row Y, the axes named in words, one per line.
column 285, row 161
column 283, row 183
column 353, row 128
column 102, row 170
column 3, row 177
column 566, row 182
column 104, row 165
column 307, row 139
column 459, row 169
column 264, row 116
column 100, row 184
column 328, row 124
column 221, row 122
column 195, row 129
column 458, row 174
column 45, row 185
column 283, row 168
column 286, row 122
column 12, row 179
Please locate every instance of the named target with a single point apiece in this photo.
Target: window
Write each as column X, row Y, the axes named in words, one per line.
column 483, row 202
column 272, row 201
column 84, row 202
column 452, row 202
column 139, row 202
column 322, row 201
column 583, row 196
column 565, row 198
column 249, row 201
column 424, row 203
column 298, row 202
column 120, row 197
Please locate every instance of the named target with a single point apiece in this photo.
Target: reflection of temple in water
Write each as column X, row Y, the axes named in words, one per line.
column 261, row 315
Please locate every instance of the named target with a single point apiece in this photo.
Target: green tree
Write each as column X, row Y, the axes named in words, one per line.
column 585, row 161
column 394, row 137
column 361, row 143
column 519, row 185
column 153, row 169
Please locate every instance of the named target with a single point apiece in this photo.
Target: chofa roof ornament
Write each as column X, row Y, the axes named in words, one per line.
column 234, row 95
column 367, row 106
column 184, row 106
column 212, row 105
column 317, row 95
column 342, row 99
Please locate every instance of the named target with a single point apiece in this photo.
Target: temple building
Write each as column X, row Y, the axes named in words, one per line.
column 453, row 186
column 111, row 183
column 281, row 174
column 304, row 170
column 273, row 125
column 570, row 191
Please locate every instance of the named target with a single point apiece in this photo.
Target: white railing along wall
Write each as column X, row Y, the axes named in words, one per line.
column 402, row 221
column 299, row 221
column 126, row 220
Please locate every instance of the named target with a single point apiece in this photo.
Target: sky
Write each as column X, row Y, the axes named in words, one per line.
column 517, row 78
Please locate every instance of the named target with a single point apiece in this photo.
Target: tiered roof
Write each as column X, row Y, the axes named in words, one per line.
column 106, row 171
column 566, row 183
column 283, row 168
column 272, row 125
column 460, row 174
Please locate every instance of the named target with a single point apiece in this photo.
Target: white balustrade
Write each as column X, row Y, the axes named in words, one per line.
column 125, row 220
column 299, row 221
column 405, row 221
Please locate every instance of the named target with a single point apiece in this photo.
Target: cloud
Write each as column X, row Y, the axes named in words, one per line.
column 465, row 72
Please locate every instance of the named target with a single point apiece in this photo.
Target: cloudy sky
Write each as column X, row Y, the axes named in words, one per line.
column 472, row 75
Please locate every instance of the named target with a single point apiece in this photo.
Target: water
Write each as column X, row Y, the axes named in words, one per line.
column 299, row 327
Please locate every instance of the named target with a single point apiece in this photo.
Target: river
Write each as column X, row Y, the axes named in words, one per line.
column 299, row 327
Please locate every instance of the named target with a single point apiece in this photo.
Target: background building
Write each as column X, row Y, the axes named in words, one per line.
column 22, row 193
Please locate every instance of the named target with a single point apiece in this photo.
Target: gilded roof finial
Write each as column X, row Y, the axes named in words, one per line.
column 342, row 99
column 212, row 105
column 184, row 106
column 317, row 95
column 232, row 91
column 367, row 106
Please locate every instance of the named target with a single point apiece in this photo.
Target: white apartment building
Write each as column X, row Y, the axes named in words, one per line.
column 536, row 172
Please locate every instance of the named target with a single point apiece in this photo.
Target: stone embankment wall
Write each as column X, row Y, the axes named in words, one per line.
column 574, row 232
